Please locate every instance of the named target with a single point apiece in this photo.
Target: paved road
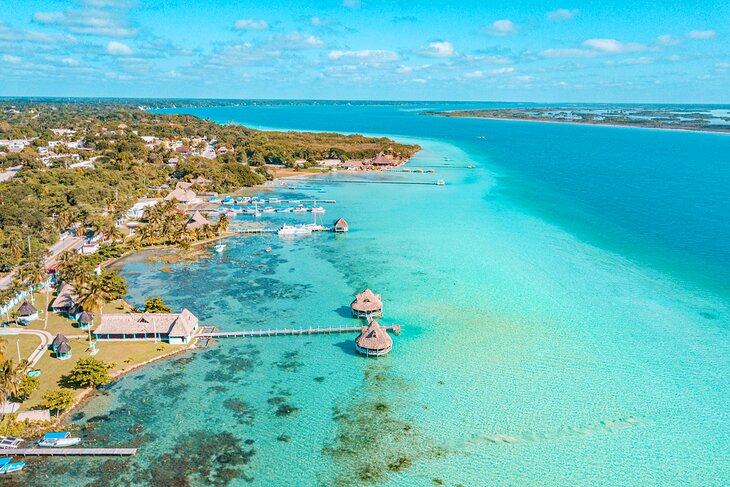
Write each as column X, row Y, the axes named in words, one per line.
column 54, row 251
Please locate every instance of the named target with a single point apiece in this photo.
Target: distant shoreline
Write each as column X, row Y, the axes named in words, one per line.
column 573, row 122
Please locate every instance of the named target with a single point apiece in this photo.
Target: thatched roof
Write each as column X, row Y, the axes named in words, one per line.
column 59, row 340
column 26, row 309
column 183, row 185
column 197, row 221
column 63, row 348
column 86, row 317
column 66, row 297
column 341, row 223
column 374, row 337
column 367, row 301
column 181, row 195
column 174, row 325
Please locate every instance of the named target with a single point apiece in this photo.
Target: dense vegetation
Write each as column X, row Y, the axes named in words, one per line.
column 45, row 199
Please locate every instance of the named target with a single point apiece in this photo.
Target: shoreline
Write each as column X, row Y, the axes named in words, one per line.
column 570, row 122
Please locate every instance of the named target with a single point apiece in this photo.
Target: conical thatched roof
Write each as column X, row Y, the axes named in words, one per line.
column 63, row 348
column 26, row 309
column 341, row 223
column 86, row 317
column 374, row 338
column 367, row 301
column 59, row 340
column 197, row 220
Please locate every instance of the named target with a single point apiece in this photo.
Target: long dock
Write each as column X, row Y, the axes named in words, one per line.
column 290, row 331
column 365, row 181
column 52, row 452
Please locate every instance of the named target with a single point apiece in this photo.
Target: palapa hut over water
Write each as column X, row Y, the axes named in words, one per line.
column 341, row 226
column 367, row 304
column 373, row 340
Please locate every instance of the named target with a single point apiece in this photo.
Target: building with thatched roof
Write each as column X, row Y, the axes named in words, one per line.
column 85, row 319
column 61, row 347
column 341, row 226
column 367, row 304
column 170, row 327
column 185, row 196
column 197, row 221
column 373, row 340
column 66, row 299
column 27, row 312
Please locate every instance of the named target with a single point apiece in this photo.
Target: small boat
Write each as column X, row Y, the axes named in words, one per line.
column 440, row 182
column 274, row 201
column 286, row 210
column 313, row 227
column 405, row 169
column 214, row 199
column 418, row 170
column 251, row 210
column 10, row 442
column 269, row 209
column 318, row 209
column 58, row 440
column 236, row 209
column 8, row 466
column 242, row 201
column 299, row 209
column 291, row 230
column 430, row 171
column 470, row 167
column 294, row 202
column 268, row 249
column 219, row 248
column 228, row 200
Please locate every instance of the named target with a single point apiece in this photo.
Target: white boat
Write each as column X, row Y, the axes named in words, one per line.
column 299, row 209
column 274, row 201
column 7, row 467
column 219, row 248
column 58, row 440
column 318, row 209
column 269, row 209
column 313, row 227
column 285, row 210
column 10, row 442
column 291, row 230
column 440, row 182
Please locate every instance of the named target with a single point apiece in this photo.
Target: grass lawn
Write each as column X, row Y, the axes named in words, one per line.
column 123, row 355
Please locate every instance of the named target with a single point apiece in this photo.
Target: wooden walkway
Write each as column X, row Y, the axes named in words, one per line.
column 290, row 331
column 52, row 452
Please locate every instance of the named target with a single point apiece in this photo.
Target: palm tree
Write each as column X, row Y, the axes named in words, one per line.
column 223, row 223
column 3, row 347
column 93, row 295
column 10, row 377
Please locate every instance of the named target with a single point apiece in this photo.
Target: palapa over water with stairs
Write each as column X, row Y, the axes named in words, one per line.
column 367, row 304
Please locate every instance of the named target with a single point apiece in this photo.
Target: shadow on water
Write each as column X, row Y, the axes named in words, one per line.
column 344, row 311
column 347, row 346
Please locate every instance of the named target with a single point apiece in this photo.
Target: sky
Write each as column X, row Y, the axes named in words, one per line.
column 661, row 51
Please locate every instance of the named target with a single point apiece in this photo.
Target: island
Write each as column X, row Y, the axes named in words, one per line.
column 708, row 119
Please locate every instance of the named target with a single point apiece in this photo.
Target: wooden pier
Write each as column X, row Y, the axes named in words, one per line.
column 52, row 452
column 367, row 181
column 290, row 331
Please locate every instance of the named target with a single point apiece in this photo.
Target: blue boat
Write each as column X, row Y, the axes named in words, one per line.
column 7, row 467
column 214, row 199
column 228, row 200
column 58, row 440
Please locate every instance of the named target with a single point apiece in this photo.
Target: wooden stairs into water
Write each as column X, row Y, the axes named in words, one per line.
column 52, row 452
column 289, row 331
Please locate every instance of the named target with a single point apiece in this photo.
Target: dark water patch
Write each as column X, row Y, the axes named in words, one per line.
column 373, row 438
column 283, row 438
column 175, row 391
column 78, row 416
column 347, row 346
column 200, row 458
column 285, row 410
column 250, row 441
column 217, row 389
column 242, row 411
column 709, row 315
column 289, row 362
column 319, row 379
column 183, row 361
column 136, row 429
column 139, row 377
column 276, row 400
column 96, row 419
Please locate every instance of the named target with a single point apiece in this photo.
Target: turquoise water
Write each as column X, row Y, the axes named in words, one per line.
column 565, row 308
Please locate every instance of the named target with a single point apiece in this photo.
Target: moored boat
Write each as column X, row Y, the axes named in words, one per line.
column 219, row 248
column 58, row 440
column 440, row 182
column 291, row 230
column 269, row 209
column 318, row 209
column 10, row 442
column 299, row 209
column 8, row 466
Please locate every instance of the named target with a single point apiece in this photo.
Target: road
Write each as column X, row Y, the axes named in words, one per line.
column 46, row 339
column 54, row 251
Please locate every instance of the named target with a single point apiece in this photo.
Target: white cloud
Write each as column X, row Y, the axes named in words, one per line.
column 297, row 40
column 562, row 14
column 612, row 46
column 240, row 54
column 492, row 72
column 567, row 53
column 10, row 59
column 675, row 58
column 250, row 24
column 371, row 56
column 701, row 34
column 67, row 61
column 504, row 27
column 438, row 49
column 118, row 49
column 88, row 22
column 668, row 40
column 412, row 69
column 352, row 3
column 8, row 33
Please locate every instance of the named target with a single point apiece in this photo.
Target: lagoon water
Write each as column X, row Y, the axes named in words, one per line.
column 565, row 308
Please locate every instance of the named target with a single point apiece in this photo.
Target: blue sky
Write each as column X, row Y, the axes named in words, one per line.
column 517, row 50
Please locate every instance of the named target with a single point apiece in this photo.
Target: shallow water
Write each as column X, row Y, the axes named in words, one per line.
column 558, row 326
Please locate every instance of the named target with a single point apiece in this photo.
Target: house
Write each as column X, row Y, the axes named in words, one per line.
column 136, row 212
column 183, row 149
column 330, row 162
column 197, row 221
column 170, row 327
column 66, row 300
column 89, row 248
column 27, row 313
column 373, row 340
column 184, row 196
column 341, row 226
column 61, row 347
column 384, row 159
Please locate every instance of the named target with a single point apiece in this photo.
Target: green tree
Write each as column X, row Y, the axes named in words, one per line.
column 156, row 305
column 28, row 385
column 93, row 295
column 58, row 400
column 89, row 372
column 222, row 223
column 114, row 285
column 10, row 377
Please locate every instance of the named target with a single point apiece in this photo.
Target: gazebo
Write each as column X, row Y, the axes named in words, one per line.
column 61, row 347
column 373, row 340
column 27, row 312
column 341, row 226
column 367, row 304
column 85, row 319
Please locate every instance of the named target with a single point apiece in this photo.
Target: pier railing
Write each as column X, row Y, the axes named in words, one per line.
column 263, row 332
